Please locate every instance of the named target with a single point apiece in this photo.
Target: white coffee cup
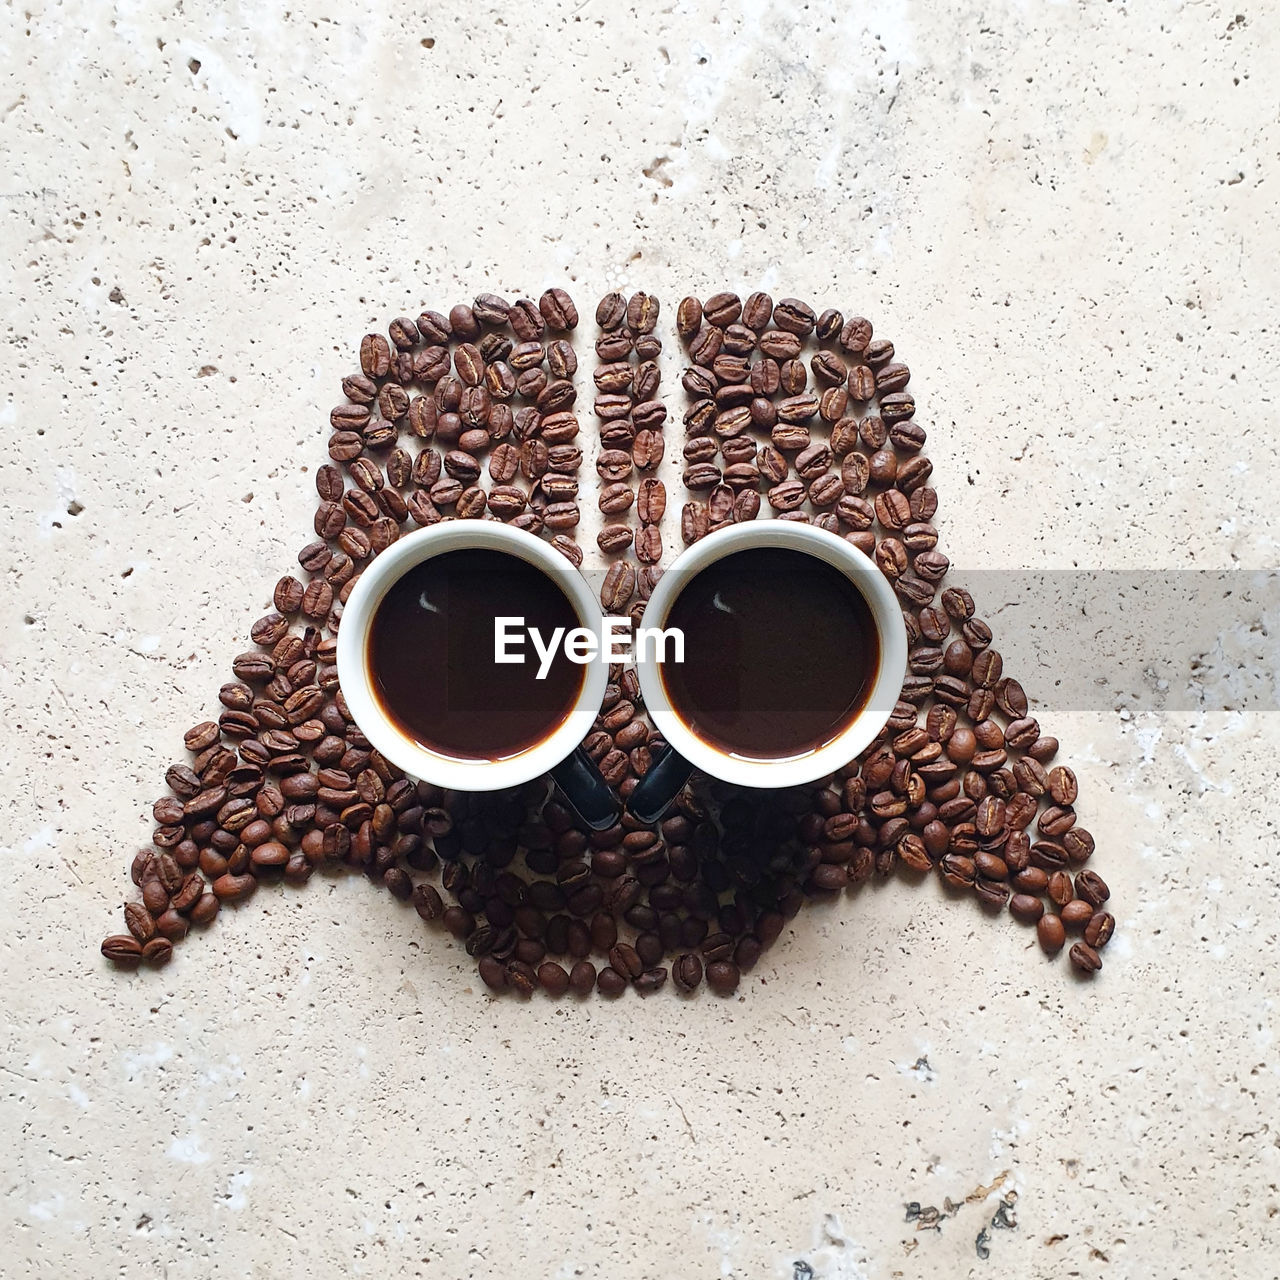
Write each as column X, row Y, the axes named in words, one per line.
column 648, row 799
column 557, row 753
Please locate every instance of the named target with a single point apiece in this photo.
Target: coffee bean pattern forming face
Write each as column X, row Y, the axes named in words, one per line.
column 472, row 413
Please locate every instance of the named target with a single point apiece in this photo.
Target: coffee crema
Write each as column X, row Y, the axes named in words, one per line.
column 431, row 656
column 780, row 654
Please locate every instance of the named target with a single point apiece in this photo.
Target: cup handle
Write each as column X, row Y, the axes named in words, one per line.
column 659, row 787
column 588, row 794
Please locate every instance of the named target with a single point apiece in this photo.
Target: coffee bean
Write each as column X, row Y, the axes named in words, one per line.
column 649, row 544
column 493, row 973
column 1056, row 821
column 642, row 313
column 686, row 973
column 723, row 977
column 1025, row 907
column 610, row 983
column 375, row 355
column 618, row 587
column 1051, row 934
column 958, row 870
column 553, row 978
column 1098, row 931
column 615, row 498
column 986, row 669
column 205, row 909
column 1078, row 845
column 122, row 949
column 1092, row 888
column 139, row 921
column 688, row 317
column 231, row 887
column 558, row 310
column 612, row 539
column 855, row 335
column 582, row 978
column 651, row 980
column 1085, row 958
column 1059, row 888
column 648, row 449
column 1062, row 785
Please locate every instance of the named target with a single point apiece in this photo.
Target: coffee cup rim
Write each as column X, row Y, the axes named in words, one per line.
column 890, row 628
column 355, row 680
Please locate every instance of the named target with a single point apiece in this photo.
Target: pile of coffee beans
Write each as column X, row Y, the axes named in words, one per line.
column 284, row 782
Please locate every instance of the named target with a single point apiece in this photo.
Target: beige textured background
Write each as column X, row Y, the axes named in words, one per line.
column 1065, row 216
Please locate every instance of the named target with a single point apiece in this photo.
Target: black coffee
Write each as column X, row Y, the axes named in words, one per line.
column 431, row 656
column 781, row 654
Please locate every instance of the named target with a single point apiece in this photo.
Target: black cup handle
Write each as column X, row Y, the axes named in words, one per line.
column 659, row 787
column 588, row 794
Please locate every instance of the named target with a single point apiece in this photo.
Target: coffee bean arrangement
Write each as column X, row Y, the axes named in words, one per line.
column 790, row 413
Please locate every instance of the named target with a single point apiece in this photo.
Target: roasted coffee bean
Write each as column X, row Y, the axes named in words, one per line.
column 1059, row 888
column 619, row 376
column 991, row 893
column 122, row 949
column 558, row 310
column 723, row 977
column 794, row 316
column 618, row 587
column 649, row 544
column 686, row 973
column 375, row 355
column 139, row 921
column 722, row 309
column 651, row 500
column 1092, row 888
column 1056, row 821
column 701, row 476
column 1033, row 880
column 648, row 449
column 1047, row 855
column 1077, row 913
column 615, row 498
column 688, row 317
column 493, row 973
column 975, row 631
column 611, row 311
column 231, row 887
column 958, row 870
column 1026, row 907
column 786, row 496
column 1085, row 958
column 1078, row 845
column 1097, row 933
column 1062, row 785
column 612, row 539
column 642, row 313
column 862, row 383
column 1050, row 932
column 159, row 951
column 613, row 465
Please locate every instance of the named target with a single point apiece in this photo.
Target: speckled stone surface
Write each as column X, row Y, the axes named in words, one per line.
column 1065, row 216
